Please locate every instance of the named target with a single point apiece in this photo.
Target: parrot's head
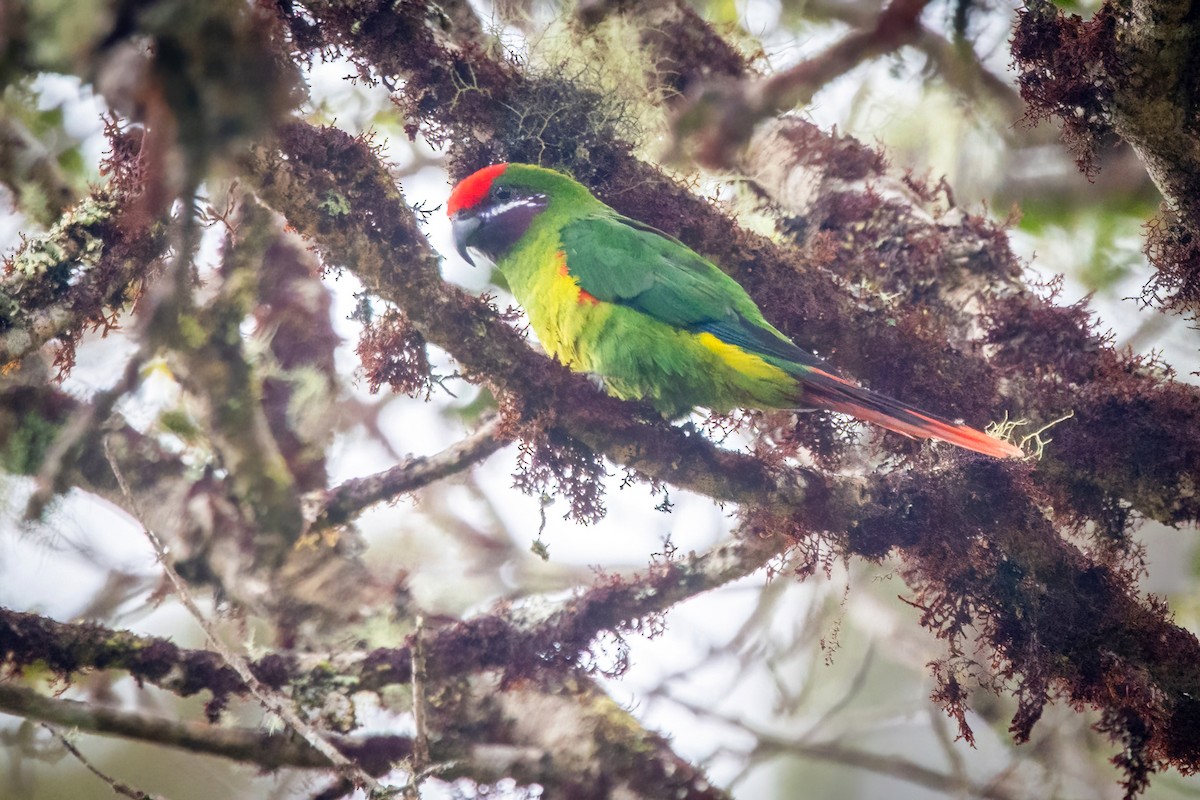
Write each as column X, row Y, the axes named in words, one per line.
column 492, row 209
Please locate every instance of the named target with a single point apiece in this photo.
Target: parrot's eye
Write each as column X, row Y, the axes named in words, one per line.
column 502, row 193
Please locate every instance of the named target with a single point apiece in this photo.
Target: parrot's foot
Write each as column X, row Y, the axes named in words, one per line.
column 597, row 380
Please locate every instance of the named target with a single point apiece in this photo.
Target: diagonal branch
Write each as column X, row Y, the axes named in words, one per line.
column 346, row 501
column 534, row 735
column 79, row 274
column 723, row 116
column 388, row 252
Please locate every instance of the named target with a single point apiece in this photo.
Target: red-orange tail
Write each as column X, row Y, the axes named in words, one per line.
column 828, row 391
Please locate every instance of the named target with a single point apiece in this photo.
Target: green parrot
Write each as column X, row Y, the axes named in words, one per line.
column 656, row 321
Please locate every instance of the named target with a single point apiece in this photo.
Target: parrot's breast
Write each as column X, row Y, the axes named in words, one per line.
column 566, row 319
column 638, row 356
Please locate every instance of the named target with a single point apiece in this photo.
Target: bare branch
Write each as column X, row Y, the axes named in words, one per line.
column 769, row 744
column 957, row 63
column 346, row 501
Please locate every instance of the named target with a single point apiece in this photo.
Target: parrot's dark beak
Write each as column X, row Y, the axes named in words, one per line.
column 464, row 226
column 486, row 232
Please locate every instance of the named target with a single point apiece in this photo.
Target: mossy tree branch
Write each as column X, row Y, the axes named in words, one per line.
column 1050, row 592
column 1054, row 358
column 978, row 549
column 516, row 641
column 509, row 739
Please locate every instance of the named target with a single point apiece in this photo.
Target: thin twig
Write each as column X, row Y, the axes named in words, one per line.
column 420, row 759
column 768, row 743
column 852, row 691
column 270, row 700
column 113, row 783
column 85, row 418
column 960, row 67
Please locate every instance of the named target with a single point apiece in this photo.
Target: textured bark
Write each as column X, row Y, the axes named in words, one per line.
column 1131, row 70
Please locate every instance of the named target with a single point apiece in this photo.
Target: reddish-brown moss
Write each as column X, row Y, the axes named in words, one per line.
column 1173, row 247
column 393, row 352
column 552, row 466
column 1066, row 69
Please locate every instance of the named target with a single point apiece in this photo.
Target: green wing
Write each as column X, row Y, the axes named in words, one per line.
column 622, row 261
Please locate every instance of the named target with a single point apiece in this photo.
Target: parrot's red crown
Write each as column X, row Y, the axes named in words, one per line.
column 473, row 188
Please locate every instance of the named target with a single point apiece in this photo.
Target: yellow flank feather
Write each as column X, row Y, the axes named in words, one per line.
column 568, row 314
column 745, row 362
